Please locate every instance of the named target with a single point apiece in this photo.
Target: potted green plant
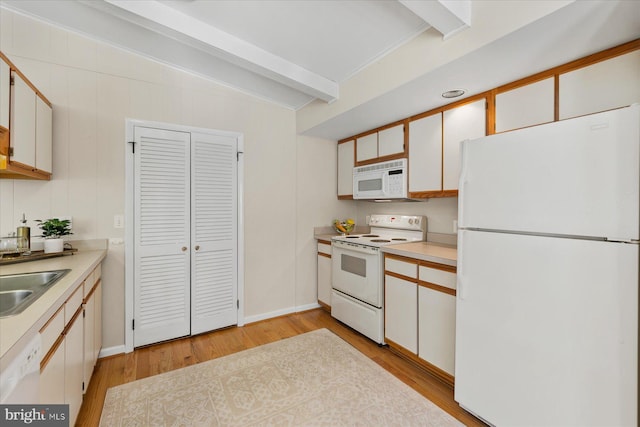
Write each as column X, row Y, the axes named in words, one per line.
column 52, row 231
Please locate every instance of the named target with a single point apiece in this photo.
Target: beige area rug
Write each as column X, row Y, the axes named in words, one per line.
column 308, row 380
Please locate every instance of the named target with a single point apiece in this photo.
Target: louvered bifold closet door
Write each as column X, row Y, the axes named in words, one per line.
column 162, row 235
column 214, row 232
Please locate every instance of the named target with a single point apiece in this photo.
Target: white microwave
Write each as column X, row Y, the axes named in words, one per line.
column 385, row 180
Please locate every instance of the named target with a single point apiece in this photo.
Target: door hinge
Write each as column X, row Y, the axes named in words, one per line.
column 12, row 81
column 84, row 313
column 238, row 303
column 133, row 324
column 133, row 146
column 238, row 155
column 82, row 385
column 10, row 151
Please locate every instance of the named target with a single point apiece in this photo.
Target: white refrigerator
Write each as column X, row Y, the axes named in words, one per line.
column 547, row 302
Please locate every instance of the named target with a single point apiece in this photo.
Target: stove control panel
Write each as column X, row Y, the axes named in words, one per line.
column 405, row 222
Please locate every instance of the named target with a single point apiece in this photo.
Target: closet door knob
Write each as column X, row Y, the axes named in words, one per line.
column 197, row 247
column 184, row 249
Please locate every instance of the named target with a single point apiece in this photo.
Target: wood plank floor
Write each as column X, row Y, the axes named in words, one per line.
column 176, row 354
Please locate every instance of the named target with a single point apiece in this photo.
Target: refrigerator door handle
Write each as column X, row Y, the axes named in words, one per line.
column 463, row 182
column 460, row 286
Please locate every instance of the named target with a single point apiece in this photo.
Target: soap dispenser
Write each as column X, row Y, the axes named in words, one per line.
column 25, row 233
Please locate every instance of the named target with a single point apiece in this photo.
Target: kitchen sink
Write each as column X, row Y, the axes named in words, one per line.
column 19, row 291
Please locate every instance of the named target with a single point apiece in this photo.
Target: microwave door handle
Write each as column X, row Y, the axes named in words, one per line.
column 385, row 183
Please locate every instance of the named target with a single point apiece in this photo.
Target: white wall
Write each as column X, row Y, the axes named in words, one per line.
column 94, row 88
column 317, row 205
column 440, row 212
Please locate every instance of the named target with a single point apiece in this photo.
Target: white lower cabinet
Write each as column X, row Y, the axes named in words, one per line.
column 420, row 312
column 324, row 274
column 92, row 326
column 401, row 313
column 71, row 342
column 73, row 367
column 437, row 328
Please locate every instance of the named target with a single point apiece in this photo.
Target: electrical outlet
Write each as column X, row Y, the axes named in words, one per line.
column 118, row 221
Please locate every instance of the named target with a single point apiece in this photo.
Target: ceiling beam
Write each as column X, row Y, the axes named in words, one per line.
column 231, row 48
column 447, row 16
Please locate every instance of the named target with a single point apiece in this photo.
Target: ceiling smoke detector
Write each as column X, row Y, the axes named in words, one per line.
column 453, row 93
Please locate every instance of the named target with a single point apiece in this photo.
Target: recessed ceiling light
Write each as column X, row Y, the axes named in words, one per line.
column 453, row 93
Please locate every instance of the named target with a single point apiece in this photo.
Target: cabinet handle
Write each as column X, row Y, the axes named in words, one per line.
column 184, row 249
column 197, row 247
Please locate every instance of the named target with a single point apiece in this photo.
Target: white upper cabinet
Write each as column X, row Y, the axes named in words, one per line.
column 383, row 143
column 391, row 141
column 425, row 154
column 524, row 106
column 23, row 126
column 367, row 147
column 346, row 161
column 5, row 88
column 465, row 122
column 44, row 121
column 602, row 86
column 26, row 126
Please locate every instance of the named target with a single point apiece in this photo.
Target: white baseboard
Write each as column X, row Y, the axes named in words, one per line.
column 120, row 349
column 111, row 351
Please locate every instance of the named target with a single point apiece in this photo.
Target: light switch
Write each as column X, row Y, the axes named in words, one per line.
column 118, row 221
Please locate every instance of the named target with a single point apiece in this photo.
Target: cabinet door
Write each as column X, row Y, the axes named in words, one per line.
column 461, row 123
column 73, row 368
column 425, row 154
column 89, row 345
column 346, row 162
column 437, row 328
column 602, row 86
column 52, row 377
column 524, row 106
column 324, row 279
column 44, row 117
column 5, row 89
column 97, row 332
column 23, row 127
column 367, row 147
column 391, row 141
column 401, row 312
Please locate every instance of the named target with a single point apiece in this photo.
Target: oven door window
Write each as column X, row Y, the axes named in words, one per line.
column 353, row 265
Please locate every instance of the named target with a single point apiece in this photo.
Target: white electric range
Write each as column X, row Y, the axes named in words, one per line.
column 357, row 296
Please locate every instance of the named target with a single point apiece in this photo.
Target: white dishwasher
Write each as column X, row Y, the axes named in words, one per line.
column 20, row 380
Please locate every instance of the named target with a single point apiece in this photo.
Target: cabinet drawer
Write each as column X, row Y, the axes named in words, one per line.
column 324, row 248
column 73, row 303
column 52, row 330
column 404, row 268
column 438, row 277
column 88, row 284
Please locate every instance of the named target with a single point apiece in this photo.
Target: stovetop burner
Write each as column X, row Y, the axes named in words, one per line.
column 387, row 230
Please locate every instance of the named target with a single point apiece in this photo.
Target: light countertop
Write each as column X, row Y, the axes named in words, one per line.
column 16, row 331
column 425, row 251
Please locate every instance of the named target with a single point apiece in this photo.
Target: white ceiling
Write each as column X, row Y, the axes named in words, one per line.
column 288, row 52
column 292, row 52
